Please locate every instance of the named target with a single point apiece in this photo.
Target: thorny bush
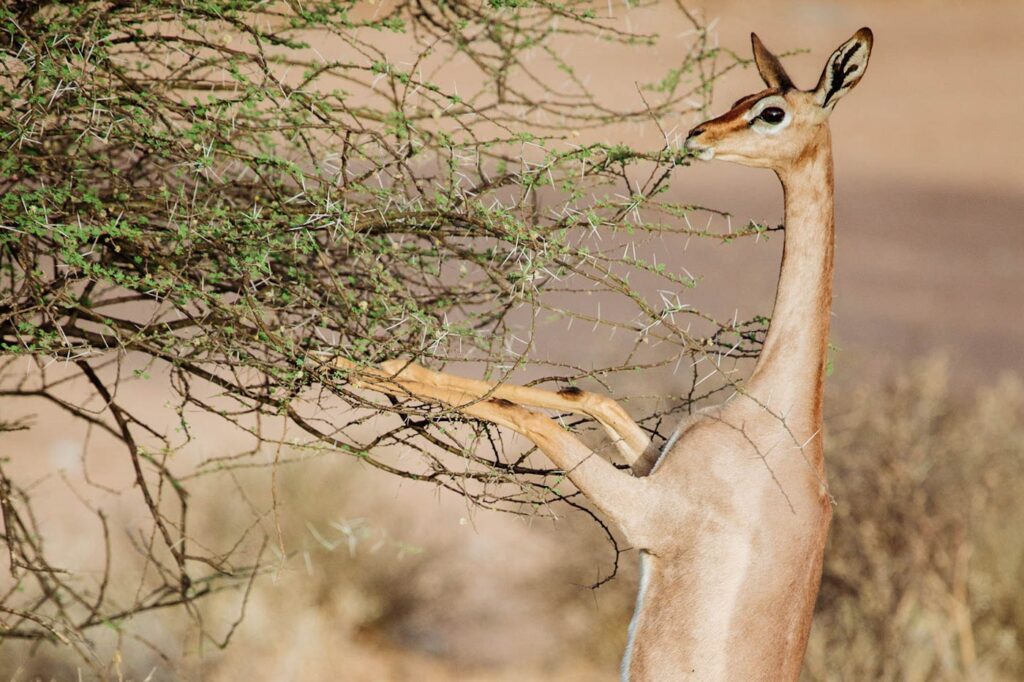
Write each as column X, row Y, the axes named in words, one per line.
column 224, row 193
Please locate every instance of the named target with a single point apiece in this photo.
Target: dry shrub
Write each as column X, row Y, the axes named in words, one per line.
column 925, row 560
column 224, row 196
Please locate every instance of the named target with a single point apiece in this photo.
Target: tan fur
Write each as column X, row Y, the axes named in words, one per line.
column 731, row 521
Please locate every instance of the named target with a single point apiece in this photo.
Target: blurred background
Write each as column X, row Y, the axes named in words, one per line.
column 925, row 409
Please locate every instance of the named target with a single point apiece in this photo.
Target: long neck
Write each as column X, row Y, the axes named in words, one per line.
column 731, row 597
column 790, row 370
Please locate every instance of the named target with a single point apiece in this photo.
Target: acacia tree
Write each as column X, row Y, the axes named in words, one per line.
column 228, row 192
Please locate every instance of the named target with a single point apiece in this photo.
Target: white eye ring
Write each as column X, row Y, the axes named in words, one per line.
column 762, row 126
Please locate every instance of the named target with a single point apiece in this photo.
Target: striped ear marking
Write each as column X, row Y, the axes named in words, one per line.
column 844, row 69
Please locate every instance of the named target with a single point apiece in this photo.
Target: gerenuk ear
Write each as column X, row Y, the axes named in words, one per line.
column 769, row 66
column 844, row 69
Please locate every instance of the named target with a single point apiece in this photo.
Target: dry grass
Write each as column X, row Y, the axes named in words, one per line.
column 922, row 577
column 924, row 567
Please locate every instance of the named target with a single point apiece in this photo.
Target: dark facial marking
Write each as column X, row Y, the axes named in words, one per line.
column 742, row 105
column 736, row 111
column 748, row 98
column 570, row 392
column 501, row 402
